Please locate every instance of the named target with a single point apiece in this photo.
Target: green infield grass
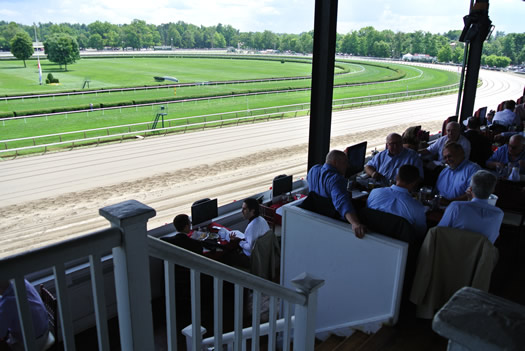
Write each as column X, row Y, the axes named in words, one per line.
column 400, row 78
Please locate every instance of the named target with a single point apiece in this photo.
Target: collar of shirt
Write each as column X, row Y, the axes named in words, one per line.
column 330, row 168
column 460, row 166
column 399, row 188
column 475, row 199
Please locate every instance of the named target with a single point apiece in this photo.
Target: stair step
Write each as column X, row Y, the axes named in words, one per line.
column 353, row 342
column 379, row 340
column 330, row 344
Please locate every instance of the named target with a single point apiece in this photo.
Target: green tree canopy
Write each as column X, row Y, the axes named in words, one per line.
column 61, row 48
column 95, row 42
column 21, row 46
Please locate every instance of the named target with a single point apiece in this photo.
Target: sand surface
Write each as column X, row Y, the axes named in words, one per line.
column 52, row 219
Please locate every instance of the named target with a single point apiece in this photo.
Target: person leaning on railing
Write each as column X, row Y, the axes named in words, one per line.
column 328, row 184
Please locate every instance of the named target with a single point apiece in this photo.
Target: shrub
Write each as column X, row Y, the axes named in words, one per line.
column 51, row 79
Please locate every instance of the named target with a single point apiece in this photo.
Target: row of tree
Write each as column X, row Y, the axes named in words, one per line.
column 364, row 42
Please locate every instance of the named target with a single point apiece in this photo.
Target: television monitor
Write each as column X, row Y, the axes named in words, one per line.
column 483, row 116
column 356, row 158
column 281, row 185
column 203, row 211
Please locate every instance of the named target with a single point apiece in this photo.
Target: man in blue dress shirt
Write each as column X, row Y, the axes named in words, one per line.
column 513, row 152
column 476, row 215
column 328, row 181
column 385, row 164
column 453, row 130
column 398, row 201
column 454, row 180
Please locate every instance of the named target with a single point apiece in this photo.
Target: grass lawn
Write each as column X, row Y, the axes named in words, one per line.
column 405, row 78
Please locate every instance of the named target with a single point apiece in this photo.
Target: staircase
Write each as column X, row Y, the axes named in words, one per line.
column 408, row 335
column 358, row 341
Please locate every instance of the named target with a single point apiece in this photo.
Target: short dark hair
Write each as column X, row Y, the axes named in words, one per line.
column 252, row 204
column 181, row 221
column 454, row 147
column 510, row 104
column 408, row 174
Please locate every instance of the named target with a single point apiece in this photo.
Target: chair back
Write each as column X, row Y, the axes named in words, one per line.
column 447, row 121
column 50, row 302
column 268, row 214
column 450, row 259
column 388, row 224
column 265, row 256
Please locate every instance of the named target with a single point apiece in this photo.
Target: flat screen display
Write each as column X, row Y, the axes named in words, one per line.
column 281, row 185
column 482, row 116
column 203, row 211
column 356, row 158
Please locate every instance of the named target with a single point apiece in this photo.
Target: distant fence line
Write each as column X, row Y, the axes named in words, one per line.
column 150, row 87
column 216, row 120
column 408, row 92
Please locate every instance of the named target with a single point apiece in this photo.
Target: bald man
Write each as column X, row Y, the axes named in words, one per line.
column 513, row 152
column 328, row 181
column 453, row 130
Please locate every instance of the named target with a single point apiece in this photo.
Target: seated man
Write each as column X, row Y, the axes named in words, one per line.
column 9, row 322
column 513, row 152
column 398, row 201
column 328, row 182
column 385, row 164
column 476, row 215
column 182, row 226
column 453, row 181
column 257, row 226
column 453, row 135
column 507, row 117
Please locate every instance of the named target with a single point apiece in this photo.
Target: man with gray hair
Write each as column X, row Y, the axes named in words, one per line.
column 476, row 215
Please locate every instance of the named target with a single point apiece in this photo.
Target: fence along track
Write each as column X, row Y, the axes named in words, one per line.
column 216, row 120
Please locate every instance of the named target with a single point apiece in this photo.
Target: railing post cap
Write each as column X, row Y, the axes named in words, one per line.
column 307, row 282
column 188, row 331
column 127, row 212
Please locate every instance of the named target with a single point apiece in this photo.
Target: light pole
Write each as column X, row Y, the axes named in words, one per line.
column 171, row 43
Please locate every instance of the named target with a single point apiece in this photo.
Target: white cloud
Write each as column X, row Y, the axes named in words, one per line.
column 280, row 16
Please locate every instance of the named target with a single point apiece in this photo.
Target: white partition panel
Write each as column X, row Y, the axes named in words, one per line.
column 363, row 277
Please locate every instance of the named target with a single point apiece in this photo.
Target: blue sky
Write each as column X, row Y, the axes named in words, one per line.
column 279, row 16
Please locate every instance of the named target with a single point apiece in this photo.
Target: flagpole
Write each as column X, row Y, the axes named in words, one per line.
column 38, row 58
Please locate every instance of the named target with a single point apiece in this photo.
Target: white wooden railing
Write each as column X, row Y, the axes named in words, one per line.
column 131, row 249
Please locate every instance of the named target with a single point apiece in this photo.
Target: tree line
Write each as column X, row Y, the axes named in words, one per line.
column 500, row 50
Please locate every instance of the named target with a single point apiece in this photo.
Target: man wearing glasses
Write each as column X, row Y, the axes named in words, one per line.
column 385, row 165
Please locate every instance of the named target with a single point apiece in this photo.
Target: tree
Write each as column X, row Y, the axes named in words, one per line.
column 95, row 42
column 61, row 48
column 21, row 46
column 444, row 54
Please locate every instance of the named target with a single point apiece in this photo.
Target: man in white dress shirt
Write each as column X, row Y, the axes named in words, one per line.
column 257, row 226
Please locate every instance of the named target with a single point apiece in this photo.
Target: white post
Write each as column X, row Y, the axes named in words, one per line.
column 304, row 327
column 188, row 333
column 132, row 275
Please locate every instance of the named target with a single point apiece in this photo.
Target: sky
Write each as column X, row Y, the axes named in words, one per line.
column 278, row 16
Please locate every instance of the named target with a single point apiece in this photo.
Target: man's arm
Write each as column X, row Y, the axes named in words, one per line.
column 372, row 172
column 359, row 228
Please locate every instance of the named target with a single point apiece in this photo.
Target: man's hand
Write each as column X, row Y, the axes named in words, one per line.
column 359, row 229
column 469, row 193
